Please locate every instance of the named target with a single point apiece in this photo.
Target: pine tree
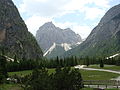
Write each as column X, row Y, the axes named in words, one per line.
column 87, row 61
column 3, row 69
column 101, row 63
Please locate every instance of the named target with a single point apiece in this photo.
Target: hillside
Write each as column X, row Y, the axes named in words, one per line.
column 104, row 40
column 15, row 39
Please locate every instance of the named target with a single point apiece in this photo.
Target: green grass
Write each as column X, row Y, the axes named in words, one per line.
column 10, row 87
column 108, row 67
column 17, row 87
column 96, row 89
column 86, row 74
column 27, row 72
column 86, row 89
column 20, row 73
column 112, row 89
column 97, row 75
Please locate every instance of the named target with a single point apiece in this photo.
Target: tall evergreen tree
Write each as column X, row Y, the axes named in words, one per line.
column 3, row 69
column 101, row 63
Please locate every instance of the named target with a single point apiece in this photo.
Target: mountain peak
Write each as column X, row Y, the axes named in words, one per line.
column 67, row 29
column 49, row 24
column 49, row 33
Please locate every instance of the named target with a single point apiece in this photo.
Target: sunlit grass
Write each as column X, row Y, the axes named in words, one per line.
column 108, row 67
column 86, row 74
column 10, row 87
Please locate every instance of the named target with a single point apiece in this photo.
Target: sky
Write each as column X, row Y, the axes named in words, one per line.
column 79, row 15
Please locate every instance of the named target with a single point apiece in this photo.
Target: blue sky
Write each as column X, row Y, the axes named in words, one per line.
column 79, row 15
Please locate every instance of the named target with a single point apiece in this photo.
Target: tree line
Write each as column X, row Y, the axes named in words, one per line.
column 20, row 65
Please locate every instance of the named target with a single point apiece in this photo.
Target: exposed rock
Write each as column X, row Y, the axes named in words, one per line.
column 14, row 36
column 49, row 34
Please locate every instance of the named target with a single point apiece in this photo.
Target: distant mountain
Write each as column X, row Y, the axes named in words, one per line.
column 104, row 39
column 49, row 34
column 14, row 36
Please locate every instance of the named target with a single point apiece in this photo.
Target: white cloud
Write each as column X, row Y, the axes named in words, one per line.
column 93, row 13
column 34, row 22
column 101, row 3
column 82, row 30
column 53, row 8
column 46, row 8
column 42, row 11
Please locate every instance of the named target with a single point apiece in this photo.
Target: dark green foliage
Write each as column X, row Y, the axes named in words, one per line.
column 67, row 79
column 3, row 69
column 118, row 61
column 22, row 65
column 101, row 63
column 87, row 61
column 62, row 79
column 25, row 64
column 2, row 77
column 40, row 80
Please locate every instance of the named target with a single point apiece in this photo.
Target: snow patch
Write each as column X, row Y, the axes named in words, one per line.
column 66, row 46
column 113, row 56
column 9, row 59
column 50, row 50
column 78, row 43
column 79, row 66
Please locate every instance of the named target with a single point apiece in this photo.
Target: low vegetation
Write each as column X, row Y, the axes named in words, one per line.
column 97, row 75
column 24, row 70
column 62, row 79
column 108, row 67
column 86, row 74
column 97, row 89
column 10, row 87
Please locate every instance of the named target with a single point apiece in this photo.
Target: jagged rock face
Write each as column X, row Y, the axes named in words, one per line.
column 49, row 34
column 14, row 36
column 104, row 39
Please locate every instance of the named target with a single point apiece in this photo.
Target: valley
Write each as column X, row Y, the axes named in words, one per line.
column 56, row 56
column 86, row 74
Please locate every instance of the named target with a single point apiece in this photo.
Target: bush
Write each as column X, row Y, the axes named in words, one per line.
column 62, row 79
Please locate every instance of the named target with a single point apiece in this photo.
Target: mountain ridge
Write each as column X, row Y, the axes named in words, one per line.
column 15, row 39
column 104, row 39
column 49, row 33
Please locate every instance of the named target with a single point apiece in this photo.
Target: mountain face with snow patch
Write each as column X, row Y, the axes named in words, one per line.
column 58, row 49
column 48, row 34
column 104, row 39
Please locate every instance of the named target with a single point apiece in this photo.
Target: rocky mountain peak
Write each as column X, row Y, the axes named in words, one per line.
column 67, row 29
column 49, row 34
column 48, row 25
